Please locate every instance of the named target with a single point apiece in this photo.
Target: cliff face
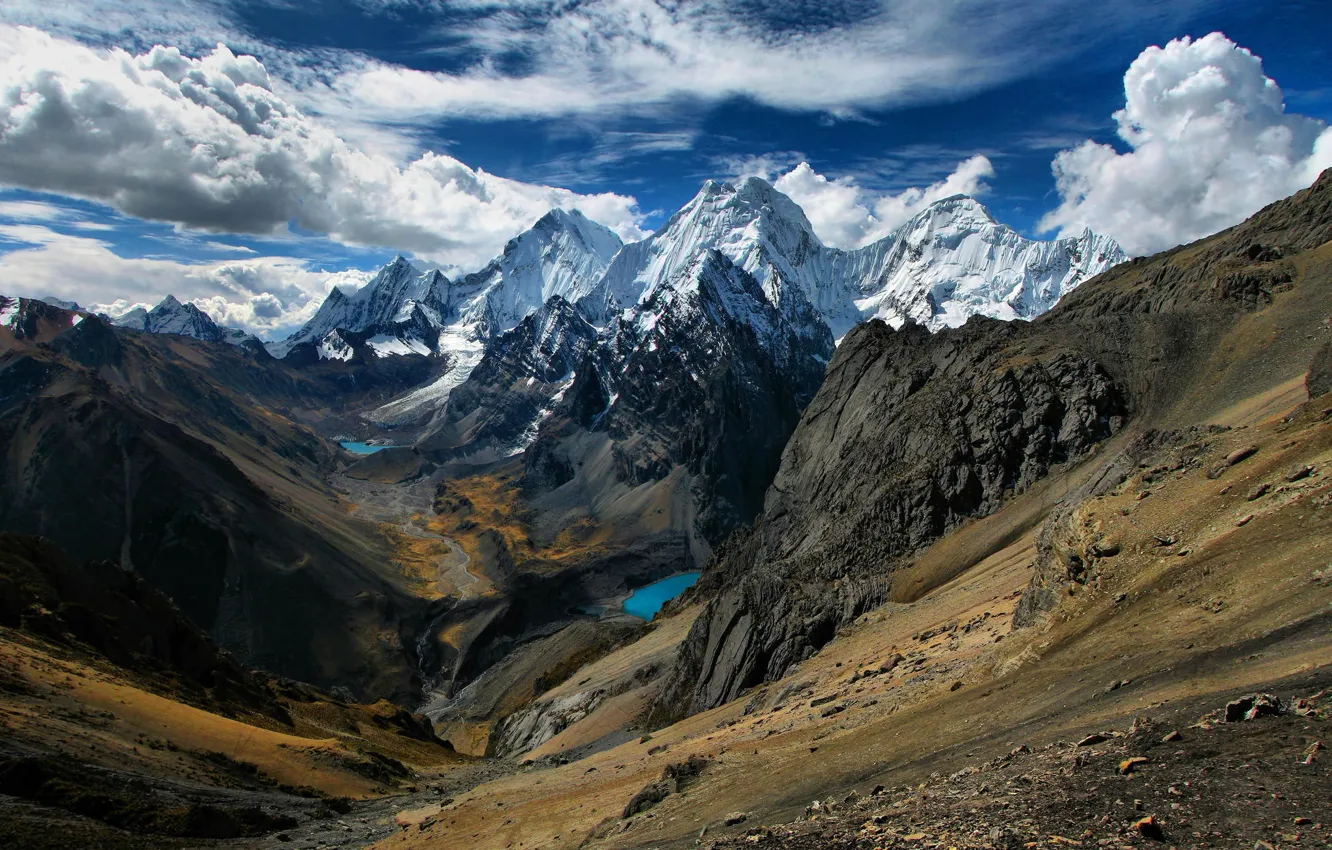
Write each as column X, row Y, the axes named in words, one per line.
column 912, row 434
column 697, row 393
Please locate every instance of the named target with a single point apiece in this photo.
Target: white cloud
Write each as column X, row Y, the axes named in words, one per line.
column 1209, row 143
column 32, row 211
column 40, row 211
column 269, row 296
column 225, row 248
column 206, row 143
column 847, row 215
column 837, row 57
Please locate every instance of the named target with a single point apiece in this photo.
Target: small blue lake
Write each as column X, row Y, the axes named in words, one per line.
column 362, row 448
column 647, row 601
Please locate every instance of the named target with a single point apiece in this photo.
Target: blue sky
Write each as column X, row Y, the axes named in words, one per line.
column 363, row 128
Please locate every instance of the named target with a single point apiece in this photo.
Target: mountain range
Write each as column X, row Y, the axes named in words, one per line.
column 954, row 502
column 950, row 262
column 171, row 316
column 640, row 395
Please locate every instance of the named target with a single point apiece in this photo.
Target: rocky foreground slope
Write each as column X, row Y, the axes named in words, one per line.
column 1189, row 597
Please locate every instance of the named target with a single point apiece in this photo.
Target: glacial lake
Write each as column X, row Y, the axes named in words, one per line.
column 647, row 601
column 362, row 448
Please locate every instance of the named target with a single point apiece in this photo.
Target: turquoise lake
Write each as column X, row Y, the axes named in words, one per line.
column 362, row 448
column 647, row 601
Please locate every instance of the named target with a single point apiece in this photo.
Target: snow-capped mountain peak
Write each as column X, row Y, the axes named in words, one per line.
column 400, row 294
column 757, row 227
column 564, row 254
column 407, row 309
column 172, row 316
column 953, row 260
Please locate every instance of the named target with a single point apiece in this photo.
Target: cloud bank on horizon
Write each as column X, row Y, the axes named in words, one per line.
column 220, row 142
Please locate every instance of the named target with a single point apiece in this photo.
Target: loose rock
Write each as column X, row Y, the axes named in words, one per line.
column 1129, row 765
column 1241, row 455
column 1253, row 706
column 1149, row 828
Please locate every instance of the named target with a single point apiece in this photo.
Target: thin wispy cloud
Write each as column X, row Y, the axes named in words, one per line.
column 609, row 56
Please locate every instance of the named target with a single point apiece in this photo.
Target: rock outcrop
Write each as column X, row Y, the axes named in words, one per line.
column 911, row 435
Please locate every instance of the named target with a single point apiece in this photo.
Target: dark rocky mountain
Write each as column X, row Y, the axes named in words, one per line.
column 30, row 320
column 912, row 434
column 186, row 461
column 518, row 382
column 649, row 443
column 122, row 618
column 694, row 394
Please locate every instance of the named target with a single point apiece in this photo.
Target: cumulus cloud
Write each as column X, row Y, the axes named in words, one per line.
column 1209, row 143
column 847, row 215
column 268, row 296
column 207, row 143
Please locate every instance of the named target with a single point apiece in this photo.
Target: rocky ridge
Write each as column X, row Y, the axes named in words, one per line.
column 912, row 434
column 1110, row 788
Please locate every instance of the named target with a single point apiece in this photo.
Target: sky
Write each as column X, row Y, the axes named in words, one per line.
column 250, row 155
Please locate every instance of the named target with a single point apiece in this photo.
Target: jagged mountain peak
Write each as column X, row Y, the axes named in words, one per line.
column 401, row 303
column 560, row 230
column 713, row 273
column 400, row 264
column 756, row 226
column 560, row 218
column 958, row 208
column 173, row 316
column 748, row 200
column 564, row 254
